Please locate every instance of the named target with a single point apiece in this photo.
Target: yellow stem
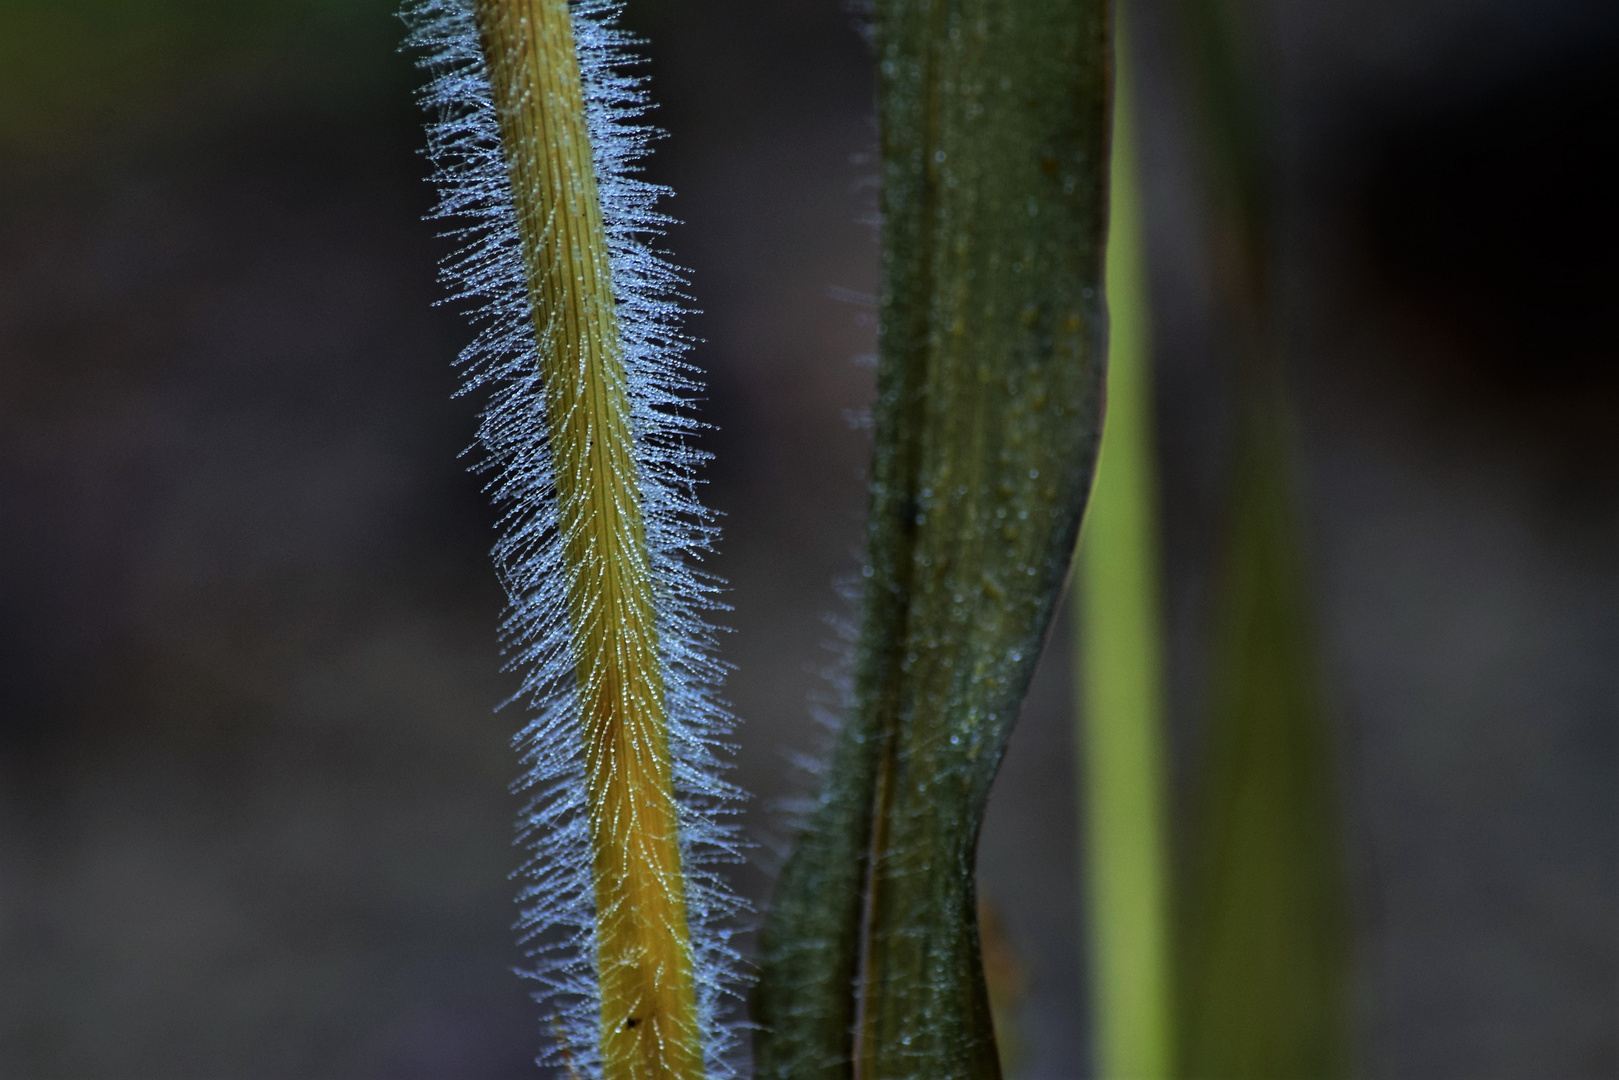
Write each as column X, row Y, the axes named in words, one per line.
column 649, row 1027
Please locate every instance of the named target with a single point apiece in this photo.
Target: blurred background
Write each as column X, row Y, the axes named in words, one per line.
column 254, row 818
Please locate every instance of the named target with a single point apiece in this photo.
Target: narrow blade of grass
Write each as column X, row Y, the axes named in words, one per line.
column 1120, row 667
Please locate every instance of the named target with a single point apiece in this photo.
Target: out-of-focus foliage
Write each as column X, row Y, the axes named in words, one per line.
column 1262, row 974
column 1260, row 953
column 1119, row 663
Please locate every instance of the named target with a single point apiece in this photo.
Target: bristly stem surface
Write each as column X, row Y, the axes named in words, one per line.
column 649, row 1023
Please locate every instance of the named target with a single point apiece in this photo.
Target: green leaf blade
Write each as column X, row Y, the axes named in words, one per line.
column 991, row 355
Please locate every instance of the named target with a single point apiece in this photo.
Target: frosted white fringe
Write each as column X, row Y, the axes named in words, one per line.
column 557, row 923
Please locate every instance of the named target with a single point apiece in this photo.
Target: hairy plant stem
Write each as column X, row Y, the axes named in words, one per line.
column 649, row 1024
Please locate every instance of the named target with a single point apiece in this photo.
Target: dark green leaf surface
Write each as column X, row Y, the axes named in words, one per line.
column 994, row 119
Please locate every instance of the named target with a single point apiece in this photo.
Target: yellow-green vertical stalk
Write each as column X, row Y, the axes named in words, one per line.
column 649, row 1027
column 1120, row 665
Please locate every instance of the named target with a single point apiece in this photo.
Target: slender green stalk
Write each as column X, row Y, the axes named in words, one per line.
column 536, row 150
column 649, row 1028
column 991, row 351
column 1119, row 635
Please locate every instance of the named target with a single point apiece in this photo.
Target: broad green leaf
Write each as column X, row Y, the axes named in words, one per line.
column 994, row 118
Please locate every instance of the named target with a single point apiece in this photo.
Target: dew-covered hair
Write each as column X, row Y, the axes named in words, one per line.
column 486, row 276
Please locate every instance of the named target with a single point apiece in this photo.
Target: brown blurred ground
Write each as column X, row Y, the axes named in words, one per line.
column 253, row 809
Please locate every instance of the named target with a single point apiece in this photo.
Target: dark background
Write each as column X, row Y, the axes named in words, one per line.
column 253, row 807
